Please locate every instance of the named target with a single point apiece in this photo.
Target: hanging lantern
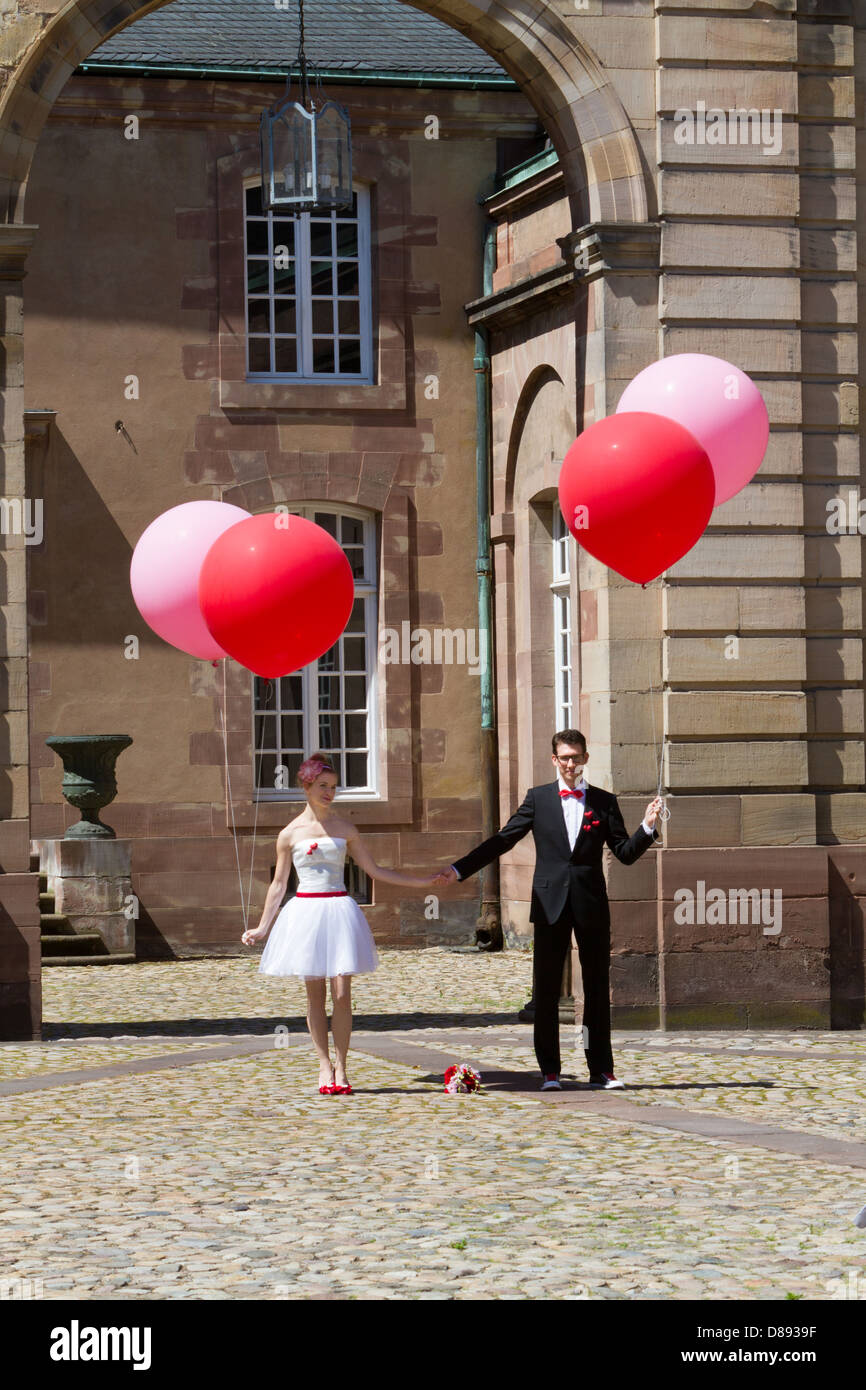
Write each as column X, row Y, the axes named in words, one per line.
column 306, row 148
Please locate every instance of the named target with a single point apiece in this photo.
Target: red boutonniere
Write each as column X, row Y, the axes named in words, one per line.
column 314, row 845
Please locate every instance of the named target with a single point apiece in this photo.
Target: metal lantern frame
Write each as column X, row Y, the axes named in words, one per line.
column 306, row 147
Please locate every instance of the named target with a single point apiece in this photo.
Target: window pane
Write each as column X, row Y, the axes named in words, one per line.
column 329, row 730
column 350, row 354
column 352, row 533
column 284, row 316
column 289, row 692
column 327, row 521
column 323, row 315
column 266, row 770
column 356, row 770
column 354, row 656
column 321, row 277
column 292, row 727
column 337, row 760
column 355, row 690
column 349, row 315
column 286, row 355
column 260, row 355
column 329, row 692
column 284, row 278
column 355, row 556
column 254, row 201
column 320, row 239
column 257, row 238
column 356, row 731
column 284, row 235
column 291, row 762
column 257, row 277
column 347, row 239
column 356, row 617
column 323, row 354
column 260, row 316
column 331, row 659
column 347, row 278
column 266, row 731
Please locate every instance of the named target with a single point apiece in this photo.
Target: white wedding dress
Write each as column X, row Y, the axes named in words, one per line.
column 318, row 937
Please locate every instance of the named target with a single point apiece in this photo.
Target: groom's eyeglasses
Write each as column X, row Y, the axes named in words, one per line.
column 572, row 758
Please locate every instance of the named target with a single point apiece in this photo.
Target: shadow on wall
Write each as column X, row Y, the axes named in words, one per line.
column 847, row 956
column 79, row 574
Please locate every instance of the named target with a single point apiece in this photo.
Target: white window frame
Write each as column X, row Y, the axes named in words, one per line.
column 560, row 589
column 304, row 297
column 366, row 588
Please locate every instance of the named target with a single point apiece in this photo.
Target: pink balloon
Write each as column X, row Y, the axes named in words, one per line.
column 165, row 570
column 717, row 403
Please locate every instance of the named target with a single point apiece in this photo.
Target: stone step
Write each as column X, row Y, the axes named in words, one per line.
column 75, row 943
column 34, row 862
column 55, row 924
column 119, row 959
column 46, row 903
column 43, row 883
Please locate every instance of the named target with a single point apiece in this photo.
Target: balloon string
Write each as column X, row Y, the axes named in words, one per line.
column 223, row 723
column 269, row 690
column 664, row 813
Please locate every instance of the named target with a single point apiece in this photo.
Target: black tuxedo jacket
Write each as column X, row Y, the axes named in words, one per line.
column 563, row 875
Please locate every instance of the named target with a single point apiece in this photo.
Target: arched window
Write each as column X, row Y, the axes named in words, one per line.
column 308, row 292
column 331, row 703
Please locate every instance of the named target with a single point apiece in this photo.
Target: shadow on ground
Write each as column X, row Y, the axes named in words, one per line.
column 261, row 1027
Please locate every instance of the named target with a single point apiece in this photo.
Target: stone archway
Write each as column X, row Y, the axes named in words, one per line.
column 44, row 41
column 545, row 54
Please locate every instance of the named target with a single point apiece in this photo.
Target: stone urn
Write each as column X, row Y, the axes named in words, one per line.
column 88, row 778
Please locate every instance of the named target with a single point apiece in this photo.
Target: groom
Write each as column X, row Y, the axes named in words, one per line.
column 571, row 823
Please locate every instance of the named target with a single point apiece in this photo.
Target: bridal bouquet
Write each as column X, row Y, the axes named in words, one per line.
column 462, row 1080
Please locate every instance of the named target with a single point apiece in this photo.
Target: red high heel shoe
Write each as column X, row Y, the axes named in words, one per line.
column 342, row 1091
column 329, row 1090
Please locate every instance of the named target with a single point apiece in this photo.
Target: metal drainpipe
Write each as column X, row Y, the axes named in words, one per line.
column 488, row 936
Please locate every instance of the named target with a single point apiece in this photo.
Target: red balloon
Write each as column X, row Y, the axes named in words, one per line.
column 636, row 491
column 278, row 590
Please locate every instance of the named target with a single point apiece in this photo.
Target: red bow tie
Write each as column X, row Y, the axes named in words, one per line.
column 579, row 795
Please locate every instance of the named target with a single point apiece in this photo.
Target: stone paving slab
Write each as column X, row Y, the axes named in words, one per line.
column 201, row 1163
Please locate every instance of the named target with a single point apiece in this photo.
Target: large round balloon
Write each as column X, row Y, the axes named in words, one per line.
column 717, row 403
column 636, row 491
column 276, row 591
column 165, row 568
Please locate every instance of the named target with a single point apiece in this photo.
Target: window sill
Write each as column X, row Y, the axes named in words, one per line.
column 338, row 395
column 274, row 814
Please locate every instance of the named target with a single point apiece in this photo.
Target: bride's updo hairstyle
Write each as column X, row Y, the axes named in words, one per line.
column 313, row 768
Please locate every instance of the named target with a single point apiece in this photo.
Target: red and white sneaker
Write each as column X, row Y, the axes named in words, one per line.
column 605, row 1081
column 551, row 1082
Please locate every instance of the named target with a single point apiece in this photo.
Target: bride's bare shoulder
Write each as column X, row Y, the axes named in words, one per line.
column 290, row 833
column 345, row 828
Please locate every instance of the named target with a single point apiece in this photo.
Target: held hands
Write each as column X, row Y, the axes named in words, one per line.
column 445, row 876
column 652, row 811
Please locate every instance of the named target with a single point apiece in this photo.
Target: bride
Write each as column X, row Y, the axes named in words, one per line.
column 321, row 933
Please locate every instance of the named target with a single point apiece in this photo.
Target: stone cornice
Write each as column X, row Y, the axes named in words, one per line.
column 599, row 248
column 16, row 240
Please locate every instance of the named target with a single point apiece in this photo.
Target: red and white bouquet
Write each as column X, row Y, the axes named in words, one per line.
column 462, row 1080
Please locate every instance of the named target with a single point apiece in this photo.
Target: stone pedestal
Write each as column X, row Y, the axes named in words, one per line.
column 92, row 885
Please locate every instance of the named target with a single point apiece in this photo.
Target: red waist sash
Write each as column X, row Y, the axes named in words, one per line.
column 339, row 893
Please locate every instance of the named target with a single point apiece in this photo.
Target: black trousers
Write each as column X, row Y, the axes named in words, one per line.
column 552, row 942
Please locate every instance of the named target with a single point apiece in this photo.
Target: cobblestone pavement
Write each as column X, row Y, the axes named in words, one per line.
column 732, row 1166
